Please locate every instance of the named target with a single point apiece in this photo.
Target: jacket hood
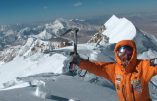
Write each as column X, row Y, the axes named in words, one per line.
column 131, row 65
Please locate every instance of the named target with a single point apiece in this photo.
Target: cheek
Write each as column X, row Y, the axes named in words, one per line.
column 129, row 57
column 124, row 58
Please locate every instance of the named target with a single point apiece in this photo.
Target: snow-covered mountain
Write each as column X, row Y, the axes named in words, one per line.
column 116, row 29
column 54, row 28
column 31, row 61
column 13, row 36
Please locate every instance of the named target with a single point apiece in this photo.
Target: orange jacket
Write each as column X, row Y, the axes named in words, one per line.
column 131, row 83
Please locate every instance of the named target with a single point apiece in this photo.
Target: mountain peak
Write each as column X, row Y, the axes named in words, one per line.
column 120, row 27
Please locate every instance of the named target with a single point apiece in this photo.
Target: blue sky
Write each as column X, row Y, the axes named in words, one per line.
column 27, row 11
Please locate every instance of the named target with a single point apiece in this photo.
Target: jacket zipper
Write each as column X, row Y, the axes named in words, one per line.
column 133, row 92
column 123, row 91
column 132, row 88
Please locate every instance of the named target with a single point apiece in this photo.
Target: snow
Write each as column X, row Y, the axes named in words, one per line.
column 118, row 29
column 150, row 54
column 34, row 46
column 1, row 63
column 64, row 88
column 28, row 64
column 26, row 46
column 44, row 35
column 37, row 63
column 21, row 67
column 9, row 32
column 21, row 85
column 56, row 26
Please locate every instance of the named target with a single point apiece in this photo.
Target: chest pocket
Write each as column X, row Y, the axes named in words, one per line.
column 137, row 85
column 118, row 80
column 137, row 81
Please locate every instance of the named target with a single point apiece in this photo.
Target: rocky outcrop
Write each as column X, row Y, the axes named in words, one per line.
column 99, row 37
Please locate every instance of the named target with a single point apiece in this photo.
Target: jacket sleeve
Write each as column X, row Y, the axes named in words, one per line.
column 104, row 69
column 149, row 69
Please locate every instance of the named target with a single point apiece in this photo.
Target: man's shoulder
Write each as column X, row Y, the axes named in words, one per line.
column 151, row 62
column 143, row 60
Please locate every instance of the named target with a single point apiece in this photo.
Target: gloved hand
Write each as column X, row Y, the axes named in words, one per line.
column 153, row 62
column 75, row 58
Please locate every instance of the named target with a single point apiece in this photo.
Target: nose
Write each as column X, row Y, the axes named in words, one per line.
column 124, row 57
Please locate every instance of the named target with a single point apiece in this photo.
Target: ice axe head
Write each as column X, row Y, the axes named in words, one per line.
column 74, row 31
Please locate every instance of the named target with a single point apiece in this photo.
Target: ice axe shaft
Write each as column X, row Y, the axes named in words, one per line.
column 75, row 41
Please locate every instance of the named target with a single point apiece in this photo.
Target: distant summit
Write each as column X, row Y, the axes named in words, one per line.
column 117, row 29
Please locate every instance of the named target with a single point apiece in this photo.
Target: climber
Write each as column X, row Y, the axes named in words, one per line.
column 129, row 74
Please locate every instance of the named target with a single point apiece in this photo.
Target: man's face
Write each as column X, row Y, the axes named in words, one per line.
column 124, row 57
column 125, row 53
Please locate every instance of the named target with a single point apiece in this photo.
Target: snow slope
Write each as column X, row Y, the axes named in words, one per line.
column 21, row 67
column 61, row 88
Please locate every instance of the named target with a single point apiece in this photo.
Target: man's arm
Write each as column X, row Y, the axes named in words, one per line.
column 104, row 69
column 149, row 69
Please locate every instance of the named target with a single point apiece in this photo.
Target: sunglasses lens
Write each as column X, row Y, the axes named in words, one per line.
column 125, row 51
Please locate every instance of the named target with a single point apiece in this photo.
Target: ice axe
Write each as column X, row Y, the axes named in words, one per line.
column 72, row 66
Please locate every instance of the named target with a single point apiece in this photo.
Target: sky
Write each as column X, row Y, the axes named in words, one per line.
column 27, row 11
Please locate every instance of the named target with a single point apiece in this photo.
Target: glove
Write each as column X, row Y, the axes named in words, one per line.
column 75, row 58
column 153, row 62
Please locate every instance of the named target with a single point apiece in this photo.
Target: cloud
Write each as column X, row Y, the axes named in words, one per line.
column 78, row 4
